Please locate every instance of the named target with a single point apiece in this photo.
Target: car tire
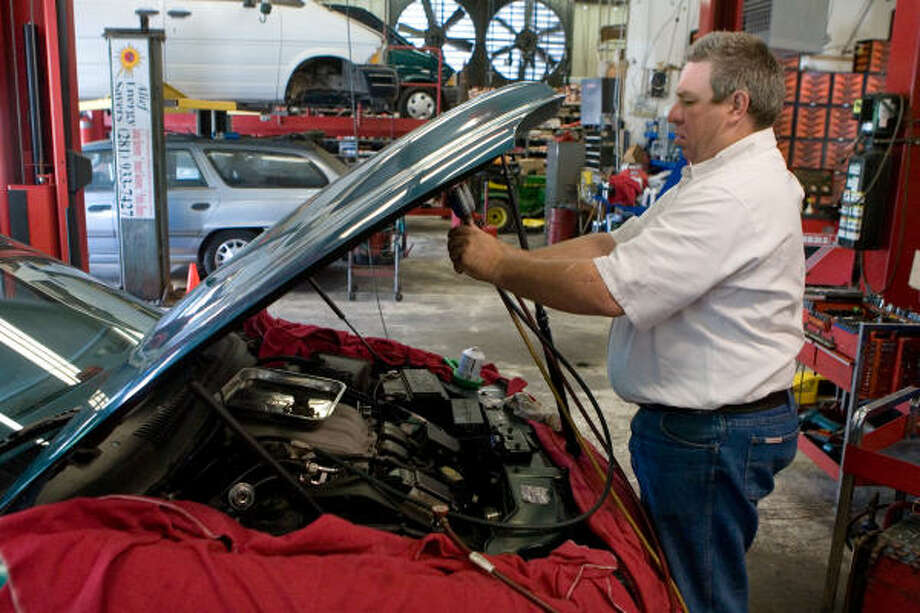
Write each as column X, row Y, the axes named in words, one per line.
column 223, row 246
column 418, row 103
column 499, row 215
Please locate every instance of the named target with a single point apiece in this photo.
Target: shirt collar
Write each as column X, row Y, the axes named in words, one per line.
column 756, row 141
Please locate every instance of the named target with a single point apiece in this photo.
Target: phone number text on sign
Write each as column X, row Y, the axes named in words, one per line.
column 132, row 136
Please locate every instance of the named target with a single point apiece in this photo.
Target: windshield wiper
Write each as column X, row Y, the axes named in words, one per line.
column 36, row 429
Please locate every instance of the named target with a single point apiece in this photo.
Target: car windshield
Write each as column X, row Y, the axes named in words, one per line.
column 59, row 330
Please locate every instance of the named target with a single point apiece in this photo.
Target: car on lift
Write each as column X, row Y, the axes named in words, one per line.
column 290, row 52
column 418, row 70
column 220, row 195
column 212, row 457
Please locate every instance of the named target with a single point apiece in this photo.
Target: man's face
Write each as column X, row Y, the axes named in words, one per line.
column 700, row 123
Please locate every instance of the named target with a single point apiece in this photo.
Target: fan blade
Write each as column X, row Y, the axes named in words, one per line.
column 500, row 51
column 429, row 14
column 505, row 23
column 410, row 30
column 453, row 19
column 522, row 67
column 550, row 30
column 459, row 43
column 551, row 62
column 528, row 15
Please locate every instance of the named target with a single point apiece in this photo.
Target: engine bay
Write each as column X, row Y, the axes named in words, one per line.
column 376, row 445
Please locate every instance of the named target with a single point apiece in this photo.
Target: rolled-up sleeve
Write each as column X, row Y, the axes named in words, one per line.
column 628, row 230
column 678, row 255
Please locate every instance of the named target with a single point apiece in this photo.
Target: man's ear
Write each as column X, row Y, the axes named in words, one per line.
column 740, row 102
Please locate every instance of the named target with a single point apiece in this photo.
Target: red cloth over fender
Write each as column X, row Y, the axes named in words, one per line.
column 282, row 337
column 142, row 554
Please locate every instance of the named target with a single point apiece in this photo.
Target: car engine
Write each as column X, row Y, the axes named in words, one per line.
column 375, row 445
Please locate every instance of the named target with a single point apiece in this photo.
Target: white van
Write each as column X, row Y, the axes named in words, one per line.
column 298, row 52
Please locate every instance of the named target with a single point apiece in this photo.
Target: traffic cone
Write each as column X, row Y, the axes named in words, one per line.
column 192, row 280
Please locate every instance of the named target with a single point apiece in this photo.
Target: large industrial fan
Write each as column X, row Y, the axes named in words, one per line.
column 493, row 41
column 444, row 24
column 526, row 40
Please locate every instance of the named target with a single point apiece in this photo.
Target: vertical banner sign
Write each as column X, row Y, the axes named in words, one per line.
column 135, row 60
column 131, row 129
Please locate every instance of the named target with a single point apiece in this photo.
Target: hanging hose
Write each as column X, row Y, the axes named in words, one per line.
column 555, row 379
column 655, row 552
column 482, row 562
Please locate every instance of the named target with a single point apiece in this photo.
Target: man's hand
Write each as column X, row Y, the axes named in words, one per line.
column 476, row 253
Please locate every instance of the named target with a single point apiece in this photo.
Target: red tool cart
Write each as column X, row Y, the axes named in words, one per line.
column 888, row 456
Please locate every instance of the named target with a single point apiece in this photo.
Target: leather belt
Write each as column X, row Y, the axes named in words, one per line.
column 770, row 401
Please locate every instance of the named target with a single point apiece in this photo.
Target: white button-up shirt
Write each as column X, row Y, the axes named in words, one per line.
column 711, row 280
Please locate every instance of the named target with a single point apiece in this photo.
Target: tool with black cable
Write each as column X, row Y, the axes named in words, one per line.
column 463, row 207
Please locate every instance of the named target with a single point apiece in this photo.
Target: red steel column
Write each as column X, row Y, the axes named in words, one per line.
column 65, row 127
column 10, row 154
column 721, row 15
column 887, row 270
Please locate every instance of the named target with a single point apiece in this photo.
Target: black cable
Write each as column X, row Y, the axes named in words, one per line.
column 862, row 199
column 253, row 444
column 905, row 189
column 555, row 373
column 607, row 444
column 338, row 312
column 335, row 309
column 613, row 464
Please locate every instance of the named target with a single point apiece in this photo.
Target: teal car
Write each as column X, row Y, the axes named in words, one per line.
column 413, row 66
column 194, row 415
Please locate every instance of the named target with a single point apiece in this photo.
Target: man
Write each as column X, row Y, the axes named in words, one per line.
column 706, row 293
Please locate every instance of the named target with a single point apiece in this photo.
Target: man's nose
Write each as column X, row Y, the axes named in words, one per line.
column 674, row 114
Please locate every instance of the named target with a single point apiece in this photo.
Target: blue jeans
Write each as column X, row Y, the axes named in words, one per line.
column 700, row 476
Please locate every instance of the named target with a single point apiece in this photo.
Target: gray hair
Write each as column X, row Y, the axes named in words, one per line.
column 742, row 61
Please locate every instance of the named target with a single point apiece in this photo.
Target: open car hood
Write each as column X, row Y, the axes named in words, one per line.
column 396, row 179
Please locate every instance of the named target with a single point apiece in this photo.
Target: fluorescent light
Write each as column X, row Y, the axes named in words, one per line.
column 9, row 423
column 129, row 335
column 37, row 353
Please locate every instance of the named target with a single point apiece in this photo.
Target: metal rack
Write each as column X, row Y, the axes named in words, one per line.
column 397, row 247
column 863, row 460
column 846, row 373
column 888, row 456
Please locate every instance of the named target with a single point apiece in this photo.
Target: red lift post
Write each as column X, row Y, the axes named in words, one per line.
column 41, row 173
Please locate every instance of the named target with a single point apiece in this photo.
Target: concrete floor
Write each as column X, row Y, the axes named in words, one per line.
column 445, row 313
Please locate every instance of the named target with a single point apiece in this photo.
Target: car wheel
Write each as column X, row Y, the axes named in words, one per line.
column 417, row 104
column 499, row 215
column 223, row 246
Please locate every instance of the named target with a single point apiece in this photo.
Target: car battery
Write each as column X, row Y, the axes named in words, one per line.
column 815, row 88
column 807, row 153
column 791, row 80
column 811, row 122
column 885, row 575
column 783, row 125
column 848, row 86
column 875, row 83
column 871, row 55
column 842, row 124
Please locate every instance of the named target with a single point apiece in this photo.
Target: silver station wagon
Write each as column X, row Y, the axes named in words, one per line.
column 221, row 194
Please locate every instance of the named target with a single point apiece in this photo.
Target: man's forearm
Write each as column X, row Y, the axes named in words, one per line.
column 571, row 285
column 587, row 246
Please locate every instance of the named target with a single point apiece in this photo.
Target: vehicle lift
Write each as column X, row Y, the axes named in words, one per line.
column 42, row 173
